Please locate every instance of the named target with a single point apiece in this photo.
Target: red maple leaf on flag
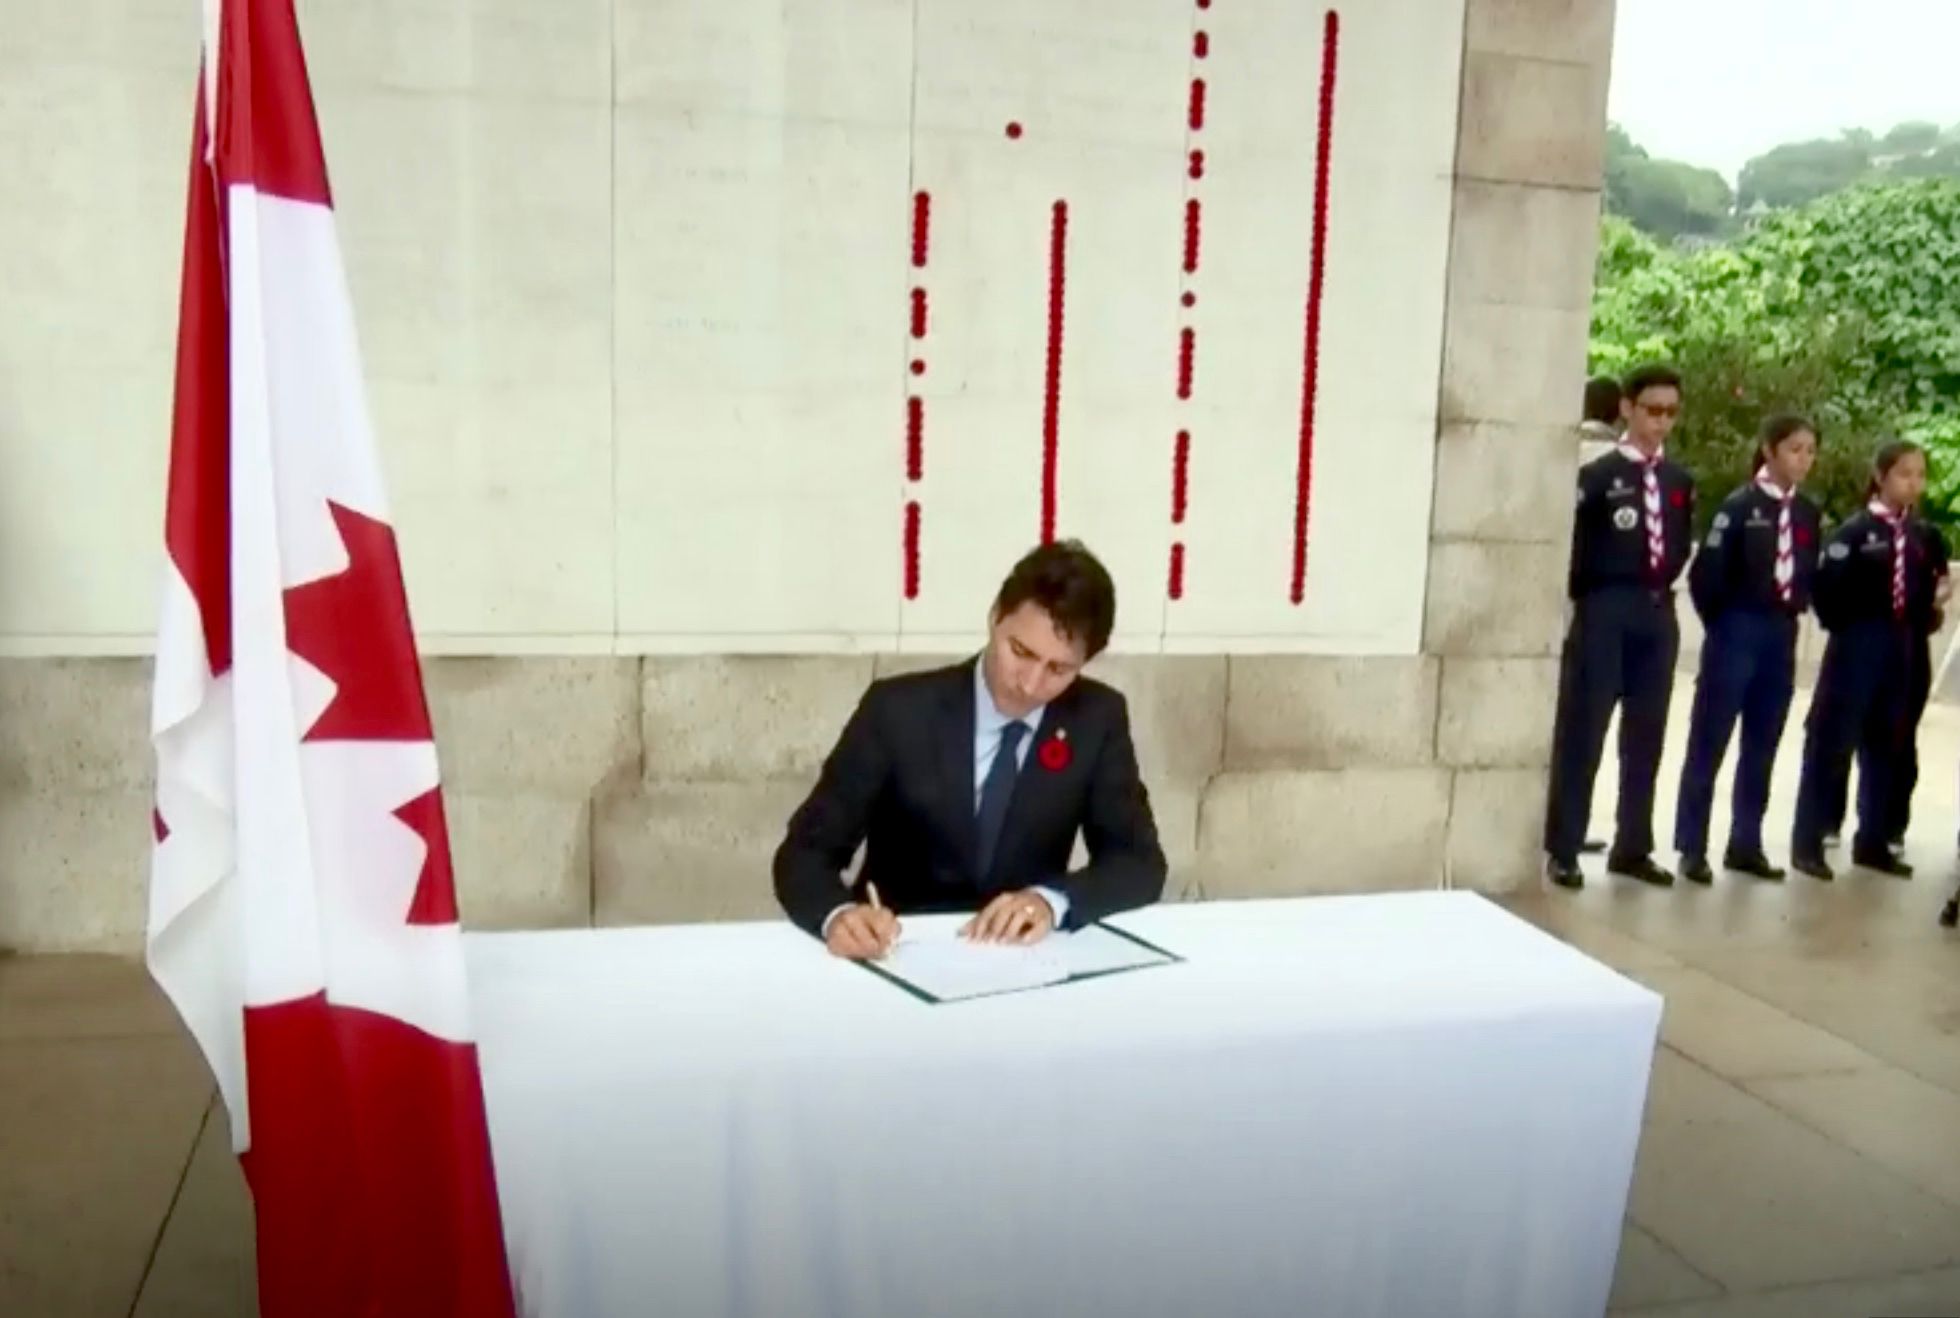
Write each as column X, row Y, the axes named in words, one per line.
column 435, row 889
column 354, row 627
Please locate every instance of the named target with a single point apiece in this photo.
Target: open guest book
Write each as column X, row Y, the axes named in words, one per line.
column 932, row 962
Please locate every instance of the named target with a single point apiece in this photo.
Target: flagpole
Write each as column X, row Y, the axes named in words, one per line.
column 213, row 18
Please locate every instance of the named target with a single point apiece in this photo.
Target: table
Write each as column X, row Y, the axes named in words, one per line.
column 1398, row 1104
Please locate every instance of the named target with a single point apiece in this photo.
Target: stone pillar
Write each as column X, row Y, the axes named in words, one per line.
column 75, row 798
column 1530, row 152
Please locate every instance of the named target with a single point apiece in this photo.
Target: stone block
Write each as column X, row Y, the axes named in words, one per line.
column 488, row 49
column 513, row 725
column 738, row 718
column 1575, row 31
column 97, row 1133
column 886, row 664
column 1497, row 713
column 1517, row 364
column 1523, row 244
column 206, row 1262
column 1353, row 830
column 1177, row 712
column 81, row 996
column 75, row 724
column 1532, row 121
column 1504, row 483
column 1730, row 1179
column 685, row 852
column 1323, row 712
column 1497, row 829
column 1492, row 599
column 522, row 861
column 1175, row 808
column 74, row 870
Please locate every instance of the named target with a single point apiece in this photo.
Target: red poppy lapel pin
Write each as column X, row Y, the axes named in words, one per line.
column 1679, row 498
column 1802, row 536
column 1055, row 753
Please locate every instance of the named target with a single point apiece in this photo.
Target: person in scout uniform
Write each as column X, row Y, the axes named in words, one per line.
column 1750, row 582
column 1632, row 533
column 1880, row 588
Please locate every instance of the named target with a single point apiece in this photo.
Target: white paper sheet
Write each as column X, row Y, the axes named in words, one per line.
column 931, row 957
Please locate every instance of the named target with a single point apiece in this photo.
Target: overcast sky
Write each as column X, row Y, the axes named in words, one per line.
column 1714, row 82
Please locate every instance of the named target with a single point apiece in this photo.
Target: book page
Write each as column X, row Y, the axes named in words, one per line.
column 931, row 956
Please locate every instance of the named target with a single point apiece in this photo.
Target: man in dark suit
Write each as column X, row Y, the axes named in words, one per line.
column 968, row 784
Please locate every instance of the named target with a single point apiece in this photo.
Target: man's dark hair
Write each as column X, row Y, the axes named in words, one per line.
column 1643, row 378
column 1067, row 582
column 1602, row 399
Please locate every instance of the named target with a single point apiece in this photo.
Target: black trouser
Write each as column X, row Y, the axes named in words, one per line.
column 1859, row 706
column 1748, row 671
column 1904, row 759
column 1620, row 650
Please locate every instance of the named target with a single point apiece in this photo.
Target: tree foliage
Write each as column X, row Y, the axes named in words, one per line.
column 1797, row 172
column 1672, row 199
column 1800, row 172
column 1847, row 308
column 1664, row 197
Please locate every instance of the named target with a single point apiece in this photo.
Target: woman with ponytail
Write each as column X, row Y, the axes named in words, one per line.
column 1750, row 582
column 1881, row 586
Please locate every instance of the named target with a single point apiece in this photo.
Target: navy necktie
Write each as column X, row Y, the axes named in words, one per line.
column 996, row 791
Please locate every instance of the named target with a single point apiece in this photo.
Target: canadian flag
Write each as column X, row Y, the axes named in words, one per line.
column 302, row 912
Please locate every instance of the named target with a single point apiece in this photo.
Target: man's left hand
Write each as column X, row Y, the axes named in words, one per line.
column 1012, row 917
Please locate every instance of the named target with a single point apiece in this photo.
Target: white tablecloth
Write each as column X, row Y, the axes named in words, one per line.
column 1406, row 1105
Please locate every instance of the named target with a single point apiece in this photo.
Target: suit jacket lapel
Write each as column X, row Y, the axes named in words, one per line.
column 957, row 717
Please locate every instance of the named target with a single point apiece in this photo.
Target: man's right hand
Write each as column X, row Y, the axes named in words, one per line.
column 861, row 933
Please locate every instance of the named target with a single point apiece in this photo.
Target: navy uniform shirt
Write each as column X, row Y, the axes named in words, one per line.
column 1609, row 530
column 1854, row 577
column 1735, row 568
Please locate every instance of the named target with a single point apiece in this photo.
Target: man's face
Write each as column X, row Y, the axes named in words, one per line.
column 1027, row 662
column 1650, row 418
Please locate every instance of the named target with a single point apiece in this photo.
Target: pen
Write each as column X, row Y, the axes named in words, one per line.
column 872, row 890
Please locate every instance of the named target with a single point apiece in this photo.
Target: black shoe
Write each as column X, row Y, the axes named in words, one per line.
column 1753, row 863
column 1639, row 867
column 1592, row 846
column 1950, row 913
column 1695, row 869
column 1813, row 865
column 1882, row 863
column 1565, row 873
